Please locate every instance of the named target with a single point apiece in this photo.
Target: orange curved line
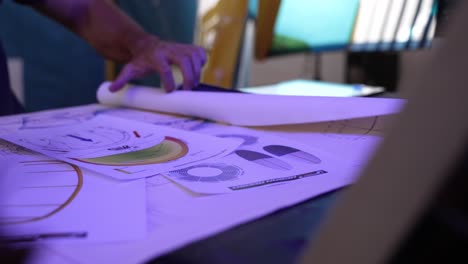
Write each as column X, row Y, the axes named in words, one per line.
column 183, row 152
column 79, row 175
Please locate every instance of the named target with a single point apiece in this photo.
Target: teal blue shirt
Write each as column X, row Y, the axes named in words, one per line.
column 8, row 102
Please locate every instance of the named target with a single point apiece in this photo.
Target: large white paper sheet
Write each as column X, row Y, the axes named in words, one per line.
column 249, row 109
column 119, row 148
column 176, row 216
column 352, row 141
column 49, row 201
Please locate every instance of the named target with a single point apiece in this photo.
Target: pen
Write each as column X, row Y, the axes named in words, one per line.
column 37, row 237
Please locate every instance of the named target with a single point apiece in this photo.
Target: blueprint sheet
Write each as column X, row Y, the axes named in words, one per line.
column 176, row 215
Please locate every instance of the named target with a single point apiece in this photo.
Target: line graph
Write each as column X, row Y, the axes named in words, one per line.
column 43, row 188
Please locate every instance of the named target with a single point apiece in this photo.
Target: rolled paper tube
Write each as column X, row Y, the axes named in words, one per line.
column 248, row 109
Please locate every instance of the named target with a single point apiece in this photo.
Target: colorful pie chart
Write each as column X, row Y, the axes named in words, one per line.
column 208, row 173
column 292, row 153
column 263, row 160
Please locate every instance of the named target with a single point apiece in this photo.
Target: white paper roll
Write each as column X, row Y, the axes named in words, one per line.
column 249, row 109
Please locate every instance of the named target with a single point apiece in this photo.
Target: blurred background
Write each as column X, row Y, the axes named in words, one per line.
column 312, row 47
column 334, row 47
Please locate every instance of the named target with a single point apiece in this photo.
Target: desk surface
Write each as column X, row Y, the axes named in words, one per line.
column 277, row 238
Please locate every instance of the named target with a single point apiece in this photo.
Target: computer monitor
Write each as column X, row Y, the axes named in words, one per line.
column 410, row 203
column 292, row 26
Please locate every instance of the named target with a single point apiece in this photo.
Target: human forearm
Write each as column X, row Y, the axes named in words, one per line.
column 100, row 23
column 117, row 37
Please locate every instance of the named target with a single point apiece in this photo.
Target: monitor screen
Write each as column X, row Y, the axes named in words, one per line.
column 356, row 25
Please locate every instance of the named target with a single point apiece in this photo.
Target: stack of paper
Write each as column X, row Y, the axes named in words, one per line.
column 154, row 181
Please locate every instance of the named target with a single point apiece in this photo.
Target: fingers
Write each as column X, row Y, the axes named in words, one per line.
column 198, row 61
column 140, row 68
column 126, row 74
column 190, row 62
column 202, row 54
column 157, row 57
column 186, row 67
column 196, row 67
column 165, row 74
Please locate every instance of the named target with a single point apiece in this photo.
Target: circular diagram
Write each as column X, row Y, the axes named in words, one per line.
column 97, row 137
column 247, row 140
column 208, row 173
column 263, row 160
column 168, row 150
column 292, row 153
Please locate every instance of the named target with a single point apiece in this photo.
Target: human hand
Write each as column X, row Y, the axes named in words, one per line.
column 151, row 55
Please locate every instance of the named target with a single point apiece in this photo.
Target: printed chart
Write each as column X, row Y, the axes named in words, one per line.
column 121, row 148
column 169, row 149
column 216, row 172
column 260, row 160
column 292, row 153
column 33, row 199
column 45, row 200
column 82, row 139
column 263, row 160
column 247, row 140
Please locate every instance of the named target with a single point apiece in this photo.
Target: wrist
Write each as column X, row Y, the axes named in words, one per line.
column 140, row 41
